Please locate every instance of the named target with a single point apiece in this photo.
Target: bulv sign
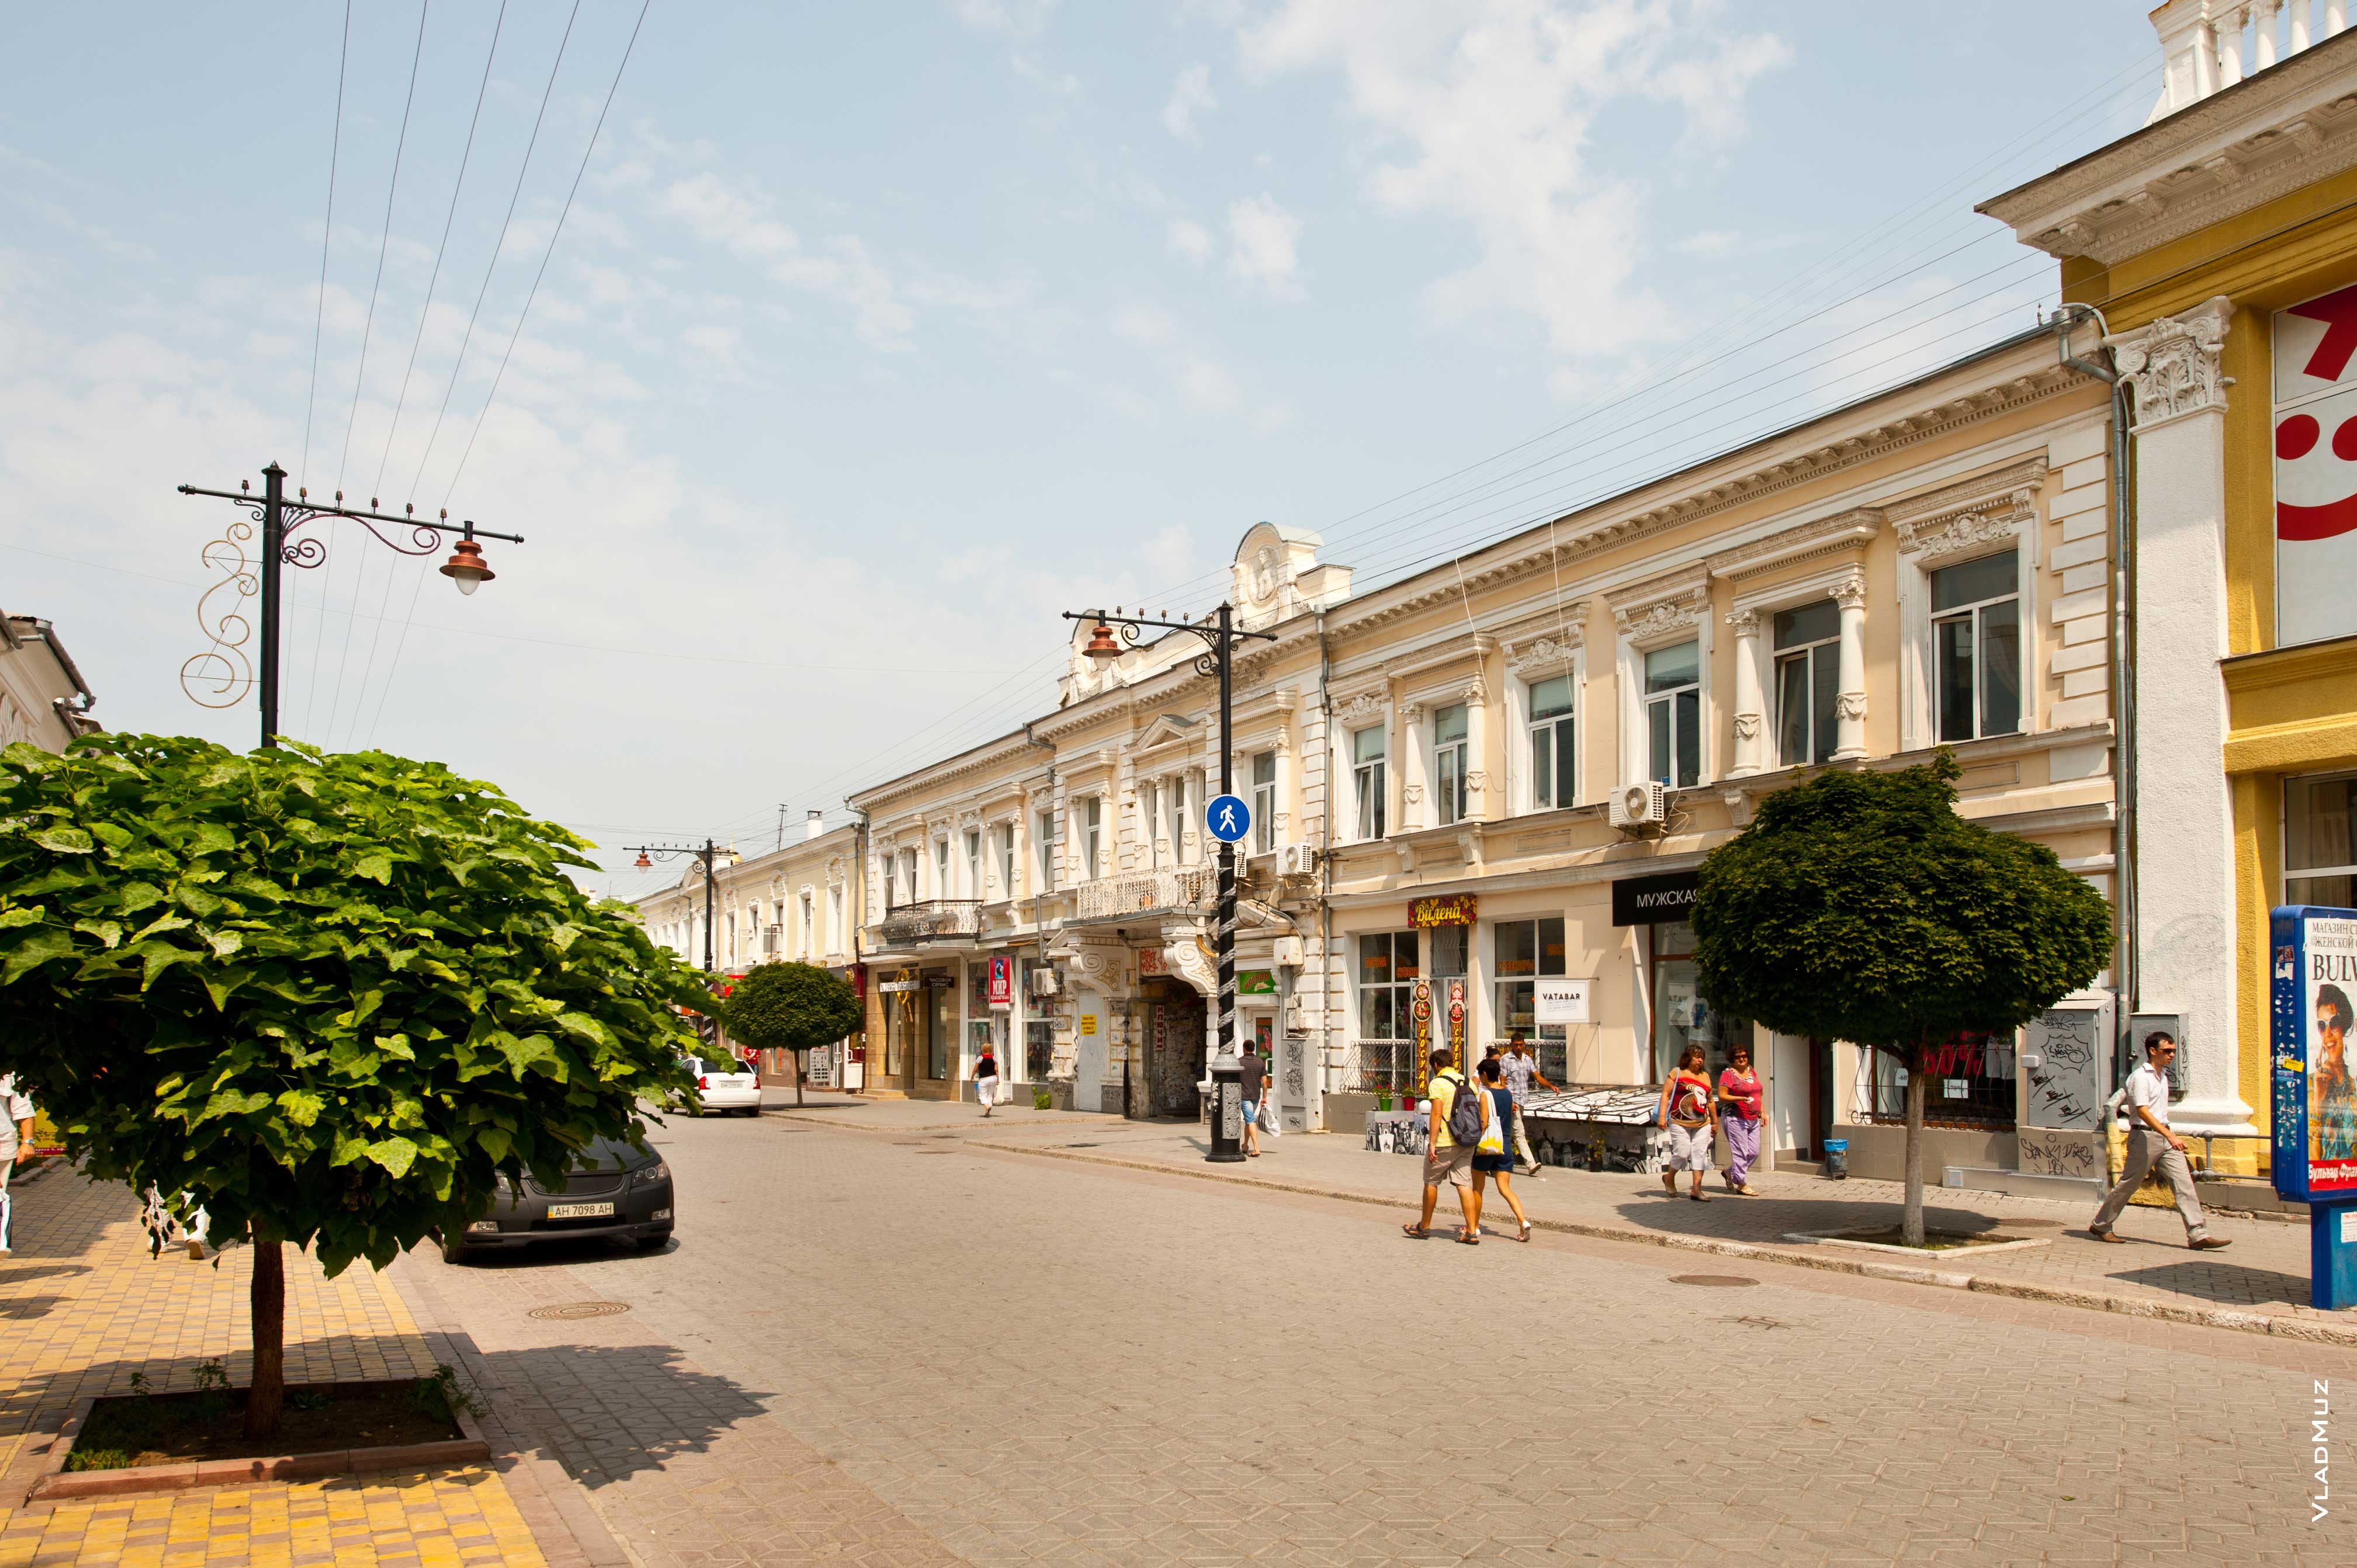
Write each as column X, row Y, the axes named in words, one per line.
column 1655, row 900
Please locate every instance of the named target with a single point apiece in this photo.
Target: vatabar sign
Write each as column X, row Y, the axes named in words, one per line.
column 2312, row 980
column 2316, row 469
column 1558, row 1000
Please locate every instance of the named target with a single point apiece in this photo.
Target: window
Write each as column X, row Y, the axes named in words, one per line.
column 973, row 862
column 1977, row 642
column 1179, row 821
column 1522, row 951
column 1552, row 775
column 810, row 947
column 941, row 868
column 1091, row 837
column 833, row 920
column 1149, row 817
column 1384, row 1060
column 1808, row 678
column 1452, row 947
column 731, row 928
column 1367, row 775
column 1970, row 1083
column 1263, row 803
column 1674, row 715
column 2320, row 861
column 1005, row 832
column 1045, row 835
column 1448, row 730
column 906, row 891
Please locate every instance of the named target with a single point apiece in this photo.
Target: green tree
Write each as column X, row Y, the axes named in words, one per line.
column 789, row 1007
column 325, row 997
column 1860, row 906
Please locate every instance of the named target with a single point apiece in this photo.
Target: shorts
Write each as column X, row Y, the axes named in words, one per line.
column 1251, row 1111
column 1689, row 1148
column 1450, row 1167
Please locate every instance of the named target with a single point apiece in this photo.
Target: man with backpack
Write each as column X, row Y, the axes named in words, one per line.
column 1453, row 1132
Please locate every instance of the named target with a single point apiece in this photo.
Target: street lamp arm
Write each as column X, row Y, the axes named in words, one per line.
column 1126, row 628
column 438, row 527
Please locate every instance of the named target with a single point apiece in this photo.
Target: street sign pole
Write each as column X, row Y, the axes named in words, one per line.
column 1227, row 1072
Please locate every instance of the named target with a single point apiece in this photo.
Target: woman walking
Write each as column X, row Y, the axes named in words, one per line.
column 985, row 1079
column 1502, row 1163
column 1739, row 1106
column 1684, row 1110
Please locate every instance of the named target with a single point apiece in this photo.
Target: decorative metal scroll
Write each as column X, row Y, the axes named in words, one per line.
column 222, row 675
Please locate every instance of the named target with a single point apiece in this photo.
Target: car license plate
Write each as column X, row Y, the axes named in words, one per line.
column 579, row 1211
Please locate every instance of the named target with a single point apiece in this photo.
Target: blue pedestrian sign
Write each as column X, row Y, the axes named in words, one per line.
column 1227, row 818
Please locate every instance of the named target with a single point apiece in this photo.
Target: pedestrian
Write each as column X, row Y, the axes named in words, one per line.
column 1500, row 1164
column 1445, row 1159
column 1255, row 1080
column 16, row 1145
column 1684, row 1110
column 1521, row 1071
column 1739, row 1108
column 2151, row 1145
column 985, row 1079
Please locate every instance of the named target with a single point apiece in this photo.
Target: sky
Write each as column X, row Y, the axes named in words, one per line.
column 824, row 354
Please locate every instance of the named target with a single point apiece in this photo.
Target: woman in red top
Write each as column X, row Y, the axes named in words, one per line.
column 1738, row 1105
column 1685, row 1109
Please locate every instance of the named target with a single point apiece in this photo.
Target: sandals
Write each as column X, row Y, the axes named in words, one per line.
column 1468, row 1237
column 1698, row 1197
column 1415, row 1232
column 1526, row 1231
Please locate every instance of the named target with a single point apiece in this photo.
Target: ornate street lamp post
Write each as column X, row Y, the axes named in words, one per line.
column 222, row 667
column 709, row 856
column 1111, row 636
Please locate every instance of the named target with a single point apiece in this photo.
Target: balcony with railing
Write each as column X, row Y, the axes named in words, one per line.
column 927, row 920
column 1189, row 891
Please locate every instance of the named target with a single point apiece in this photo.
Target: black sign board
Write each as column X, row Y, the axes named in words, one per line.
column 1653, row 901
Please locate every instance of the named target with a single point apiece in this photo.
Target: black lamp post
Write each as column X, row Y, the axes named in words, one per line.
column 1112, row 636
column 223, row 666
column 709, row 856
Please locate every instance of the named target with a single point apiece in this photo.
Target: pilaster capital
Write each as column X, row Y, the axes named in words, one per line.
column 2172, row 363
column 1850, row 592
column 1743, row 623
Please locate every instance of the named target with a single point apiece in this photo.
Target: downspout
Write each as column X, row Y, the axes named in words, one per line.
column 2125, row 978
column 1325, row 877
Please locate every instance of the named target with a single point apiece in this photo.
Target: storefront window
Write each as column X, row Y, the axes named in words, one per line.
column 903, row 1026
column 942, row 1036
column 982, row 1025
column 1385, row 1049
column 1451, row 947
column 2319, row 858
column 1681, row 1017
column 1969, row 1083
column 1522, row 951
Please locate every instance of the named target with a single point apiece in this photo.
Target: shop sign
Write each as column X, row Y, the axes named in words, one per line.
column 2316, row 504
column 1420, row 1008
column 2314, row 980
column 891, row 986
column 1002, row 982
column 1655, row 900
column 1445, row 909
column 1558, row 1000
column 1456, row 1020
column 1087, row 1023
column 1151, row 962
column 940, row 980
column 1255, row 983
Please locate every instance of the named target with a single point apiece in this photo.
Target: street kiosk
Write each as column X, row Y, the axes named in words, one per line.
column 2314, row 976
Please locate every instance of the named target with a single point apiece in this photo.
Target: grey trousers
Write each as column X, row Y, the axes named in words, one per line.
column 2148, row 1150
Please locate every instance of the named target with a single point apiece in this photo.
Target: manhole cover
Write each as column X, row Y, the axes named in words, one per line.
column 937, row 1150
column 1079, row 1145
column 1711, row 1280
column 580, row 1309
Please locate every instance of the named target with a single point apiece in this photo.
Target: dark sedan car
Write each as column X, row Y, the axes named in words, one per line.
column 613, row 1190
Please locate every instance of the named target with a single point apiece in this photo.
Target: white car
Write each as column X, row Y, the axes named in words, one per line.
column 723, row 1083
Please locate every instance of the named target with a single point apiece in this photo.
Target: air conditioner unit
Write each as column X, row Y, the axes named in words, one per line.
column 1296, row 859
column 1639, row 806
column 1043, row 983
column 1288, row 954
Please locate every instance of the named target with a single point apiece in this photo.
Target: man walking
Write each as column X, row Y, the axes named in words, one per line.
column 2151, row 1145
column 16, row 1145
column 1445, row 1159
column 1521, row 1071
column 1255, row 1076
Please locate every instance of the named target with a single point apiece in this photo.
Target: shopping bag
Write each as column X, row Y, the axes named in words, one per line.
column 1269, row 1119
column 1493, row 1137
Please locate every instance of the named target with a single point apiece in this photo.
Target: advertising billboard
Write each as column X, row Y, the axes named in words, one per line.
column 2313, row 976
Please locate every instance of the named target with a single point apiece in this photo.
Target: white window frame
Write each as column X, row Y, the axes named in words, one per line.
column 1643, row 738
column 2028, row 632
column 1766, row 603
column 1149, row 817
column 1628, row 670
column 808, row 905
column 1455, row 812
column 1521, row 770
column 2286, row 874
column 1005, row 833
column 1919, row 717
column 973, row 863
column 1263, row 801
column 1176, row 793
column 942, row 866
column 833, row 922
column 1369, row 785
column 1044, row 850
column 1092, row 814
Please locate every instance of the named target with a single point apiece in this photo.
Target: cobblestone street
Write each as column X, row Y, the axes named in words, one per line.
column 898, row 1347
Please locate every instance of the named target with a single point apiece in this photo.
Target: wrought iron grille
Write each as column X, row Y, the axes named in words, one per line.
column 1969, row 1083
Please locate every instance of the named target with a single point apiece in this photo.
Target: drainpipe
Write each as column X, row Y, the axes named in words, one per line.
column 1325, row 872
column 2125, row 978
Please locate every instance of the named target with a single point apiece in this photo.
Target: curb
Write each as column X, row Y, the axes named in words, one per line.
column 2281, row 1327
column 57, row 1486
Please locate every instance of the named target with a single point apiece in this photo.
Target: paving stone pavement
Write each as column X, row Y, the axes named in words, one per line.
column 83, row 1307
column 911, row 1349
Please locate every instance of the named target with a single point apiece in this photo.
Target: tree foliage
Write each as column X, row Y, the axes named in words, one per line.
column 791, row 1007
column 327, row 996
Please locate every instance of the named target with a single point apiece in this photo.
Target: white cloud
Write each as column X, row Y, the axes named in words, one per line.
column 1065, row 85
column 1021, row 17
column 1189, row 96
column 1709, row 243
column 1263, row 238
column 840, row 269
column 1485, row 113
column 1190, row 242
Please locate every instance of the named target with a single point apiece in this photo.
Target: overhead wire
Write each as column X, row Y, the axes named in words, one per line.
column 326, row 234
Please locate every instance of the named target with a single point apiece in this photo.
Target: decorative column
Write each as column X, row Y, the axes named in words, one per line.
column 1476, row 698
column 1749, row 745
column 1849, row 699
column 2187, row 942
column 1412, row 764
column 1288, row 782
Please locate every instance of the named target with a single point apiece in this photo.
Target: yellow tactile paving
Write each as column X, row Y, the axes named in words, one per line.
column 85, row 1307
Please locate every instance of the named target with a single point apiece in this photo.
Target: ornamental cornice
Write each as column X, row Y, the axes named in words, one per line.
column 1659, row 605
column 2172, row 363
column 1533, row 552
column 988, row 755
column 2280, row 129
column 1969, row 513
column 1544, row 654
column 1815, row 540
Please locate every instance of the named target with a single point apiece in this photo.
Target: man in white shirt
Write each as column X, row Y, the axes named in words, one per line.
column 2150, row 1145
column 15, row 1144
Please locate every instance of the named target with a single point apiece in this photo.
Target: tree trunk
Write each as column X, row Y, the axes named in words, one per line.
column 797, row 1077
column 269, row 1302
column 1911, row 1226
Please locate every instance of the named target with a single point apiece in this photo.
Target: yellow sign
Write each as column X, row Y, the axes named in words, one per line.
column 1449, row 909
column 1087, row 1023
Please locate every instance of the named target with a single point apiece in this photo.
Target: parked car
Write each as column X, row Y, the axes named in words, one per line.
column 611, row 1189
column 725, row 1084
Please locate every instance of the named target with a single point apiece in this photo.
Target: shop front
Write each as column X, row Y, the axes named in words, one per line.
column 919, row 1015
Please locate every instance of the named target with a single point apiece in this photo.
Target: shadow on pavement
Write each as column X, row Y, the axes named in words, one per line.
column 1729, row 1218
column 547, row 1254
column 2228, row 1283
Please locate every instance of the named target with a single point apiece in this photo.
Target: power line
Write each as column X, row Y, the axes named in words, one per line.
column 384, row 245
column 319, row 316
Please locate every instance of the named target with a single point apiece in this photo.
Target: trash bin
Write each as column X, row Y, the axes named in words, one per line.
column 1836, row 1159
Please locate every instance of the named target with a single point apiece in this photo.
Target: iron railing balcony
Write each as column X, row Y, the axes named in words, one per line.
column 928, row 920
column 1190, row 890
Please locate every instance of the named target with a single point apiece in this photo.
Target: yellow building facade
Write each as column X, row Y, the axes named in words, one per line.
column 2214, row 254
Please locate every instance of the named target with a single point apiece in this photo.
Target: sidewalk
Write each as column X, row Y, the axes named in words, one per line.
column 85, row 1307
column 2260, row 1284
